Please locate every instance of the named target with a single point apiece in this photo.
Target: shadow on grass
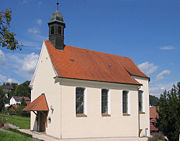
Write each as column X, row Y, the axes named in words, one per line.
column 19, row 135
column 17, row 131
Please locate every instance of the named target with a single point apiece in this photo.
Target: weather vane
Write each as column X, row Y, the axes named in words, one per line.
column 57, row 4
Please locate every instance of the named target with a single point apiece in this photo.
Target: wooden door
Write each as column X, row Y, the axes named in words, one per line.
column 42, row 119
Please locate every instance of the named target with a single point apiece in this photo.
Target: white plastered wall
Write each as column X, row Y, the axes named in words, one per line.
column 43, row 82
column 94, row 125
column 60, row 95
column 144, row 118
column 13, row 101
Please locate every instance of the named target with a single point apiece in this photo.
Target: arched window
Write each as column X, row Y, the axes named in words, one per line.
column 59, row 30
column 52, row 30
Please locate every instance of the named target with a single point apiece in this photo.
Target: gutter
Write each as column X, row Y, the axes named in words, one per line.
column 100, row 81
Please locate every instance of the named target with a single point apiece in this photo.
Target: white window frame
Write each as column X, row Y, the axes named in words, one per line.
column 143, row 101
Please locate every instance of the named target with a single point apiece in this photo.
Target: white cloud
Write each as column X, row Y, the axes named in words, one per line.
column 32, row 45
column 33, row 30
column 30, row 62
column 147, row 67
column 36, row 36
column 18, row 66
column 167, row 48
column 156, row 91
column 160, row 88
column 39, row 38
column 161, row 74
column 2, row 78
column 24, row 64
column 2, row 58
column 12, row 80
column 39, row 22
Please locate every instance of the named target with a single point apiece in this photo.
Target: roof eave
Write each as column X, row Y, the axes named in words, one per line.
column 142, row 77
column 101, row 81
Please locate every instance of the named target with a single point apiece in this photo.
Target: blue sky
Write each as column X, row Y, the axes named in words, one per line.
column 148, row 31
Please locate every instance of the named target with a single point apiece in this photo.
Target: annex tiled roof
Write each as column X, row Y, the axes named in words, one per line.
column 153, row 112
column 78, row 63
column 39, row 104
column 153, row 120
column 153, row 128
column 14, row 106
column 19, row 98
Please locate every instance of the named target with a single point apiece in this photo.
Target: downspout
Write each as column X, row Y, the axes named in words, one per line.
column 61, row 110
column 138, row 115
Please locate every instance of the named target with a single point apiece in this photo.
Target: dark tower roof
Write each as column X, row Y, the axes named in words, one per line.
column 56, row 29
column 56, row 16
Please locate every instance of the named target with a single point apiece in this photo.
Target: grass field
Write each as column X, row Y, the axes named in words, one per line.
column 22, row 122
column 13, row 136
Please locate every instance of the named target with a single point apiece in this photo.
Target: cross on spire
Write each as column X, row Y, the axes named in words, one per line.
column 57, row 4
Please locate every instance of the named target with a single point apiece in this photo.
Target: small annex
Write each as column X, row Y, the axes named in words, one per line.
column 78, row 93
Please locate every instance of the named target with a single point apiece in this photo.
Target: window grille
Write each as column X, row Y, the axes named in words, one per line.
column 79, row 100
column 125, row 102
column 104, row 101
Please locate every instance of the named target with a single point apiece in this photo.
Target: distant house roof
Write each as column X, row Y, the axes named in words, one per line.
column 153, row 112
column 153, row 120
column 83, row 64
column 153, row 128
column 19, row 98
column 13, row 106
column 28, row 102
column 39, row 104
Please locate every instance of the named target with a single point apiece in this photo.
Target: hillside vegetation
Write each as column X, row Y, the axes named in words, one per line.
column 22, row 122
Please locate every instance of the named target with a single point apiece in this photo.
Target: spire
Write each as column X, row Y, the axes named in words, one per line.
column 56, row 16
column 57, row 5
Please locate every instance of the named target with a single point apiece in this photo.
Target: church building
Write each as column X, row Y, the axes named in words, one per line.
column 83, row 94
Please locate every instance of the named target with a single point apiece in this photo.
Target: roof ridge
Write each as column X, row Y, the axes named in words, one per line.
column 96, row 51
column 92, row 51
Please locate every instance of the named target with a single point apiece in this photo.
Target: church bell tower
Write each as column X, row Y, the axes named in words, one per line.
column 56, row 29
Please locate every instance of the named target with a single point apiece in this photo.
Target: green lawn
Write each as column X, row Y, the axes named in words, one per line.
column 22, row 122
column 6, row 136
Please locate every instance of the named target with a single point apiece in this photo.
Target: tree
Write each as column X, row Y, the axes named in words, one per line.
column 19, row 110
column 154, row 101
column 169, row 113
column 23, row 89
column 8, row 90
column 1, row 99
column 23, row 102
column 7, row 38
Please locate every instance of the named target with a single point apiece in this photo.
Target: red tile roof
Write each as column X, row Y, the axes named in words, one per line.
column 153, row 113
column 14, row 106
column 78, row 63
column 19, row 98
column 153, row 128
column 28, row 102
column 153, row 120
column 39, row 104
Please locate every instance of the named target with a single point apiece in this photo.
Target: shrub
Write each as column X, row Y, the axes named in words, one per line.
column 157, row 137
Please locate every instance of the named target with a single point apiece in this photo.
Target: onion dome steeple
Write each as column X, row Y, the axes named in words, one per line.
column 56, row 29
